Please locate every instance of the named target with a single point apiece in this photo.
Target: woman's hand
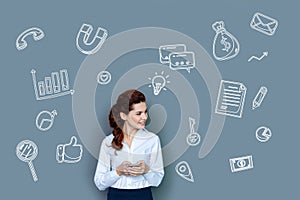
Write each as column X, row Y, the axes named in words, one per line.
column 139, row 169
column 123, row 169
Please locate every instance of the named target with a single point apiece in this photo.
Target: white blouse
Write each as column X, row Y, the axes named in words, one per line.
column 145, row 146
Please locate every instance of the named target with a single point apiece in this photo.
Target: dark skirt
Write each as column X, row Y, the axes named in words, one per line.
column 129, row 194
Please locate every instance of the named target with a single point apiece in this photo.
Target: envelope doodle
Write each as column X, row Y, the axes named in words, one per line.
column 264, row 24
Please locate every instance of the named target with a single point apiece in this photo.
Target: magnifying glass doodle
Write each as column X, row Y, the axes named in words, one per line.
column 27, row 151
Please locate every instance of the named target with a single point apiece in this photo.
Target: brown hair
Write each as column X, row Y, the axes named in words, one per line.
column 124, row 104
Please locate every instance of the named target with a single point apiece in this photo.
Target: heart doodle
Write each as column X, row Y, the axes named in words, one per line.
column 104, row 77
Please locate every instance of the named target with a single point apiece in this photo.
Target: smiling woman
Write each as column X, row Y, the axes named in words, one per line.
column 130, row 159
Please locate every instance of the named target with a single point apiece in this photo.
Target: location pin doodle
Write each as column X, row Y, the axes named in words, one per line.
column 193, row 138
column 27, row 151
column 225, row 45
column 183, row 169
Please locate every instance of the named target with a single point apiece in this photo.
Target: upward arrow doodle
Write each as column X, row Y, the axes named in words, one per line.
column 258, row 58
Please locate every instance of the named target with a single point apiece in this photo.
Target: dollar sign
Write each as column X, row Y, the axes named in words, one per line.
column 226, row 44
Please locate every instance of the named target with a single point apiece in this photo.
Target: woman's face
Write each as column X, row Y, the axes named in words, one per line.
column 137, row 117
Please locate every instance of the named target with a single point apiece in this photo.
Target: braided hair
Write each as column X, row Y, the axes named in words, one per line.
column 124, row 104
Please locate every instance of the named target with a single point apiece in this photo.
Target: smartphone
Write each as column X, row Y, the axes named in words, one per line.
column 133, row 165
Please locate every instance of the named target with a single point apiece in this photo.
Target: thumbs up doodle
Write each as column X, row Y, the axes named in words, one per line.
column 69, row 153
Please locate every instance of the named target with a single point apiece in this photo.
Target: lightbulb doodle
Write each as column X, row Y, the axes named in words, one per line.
column 45, row 119
column 83, row 101
column 27, row 151
column 158, row 82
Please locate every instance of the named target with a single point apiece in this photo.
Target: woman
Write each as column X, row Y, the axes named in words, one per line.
column 130, row 159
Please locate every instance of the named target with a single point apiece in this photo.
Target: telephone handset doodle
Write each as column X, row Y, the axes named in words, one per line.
column 36, row 33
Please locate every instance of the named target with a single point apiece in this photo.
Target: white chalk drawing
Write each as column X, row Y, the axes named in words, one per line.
column 158, row 82
column 264, row 54
column 183, row 170
column 166, row 50
column 103, row 77
column 241, row 163
column 231, row 99
column 264, row 24
column 55, row 85
column 45, row 119
column 70, row 152
column 87, row 45
column 225, row 45
column 177, row 56
column 36, row 33
column 183, row 60
column 258, row 99
column 263, row 134
column 193, row 137
column 27, row 151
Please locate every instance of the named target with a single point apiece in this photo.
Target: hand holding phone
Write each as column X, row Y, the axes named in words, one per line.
column 134, row 165
column 139, row 168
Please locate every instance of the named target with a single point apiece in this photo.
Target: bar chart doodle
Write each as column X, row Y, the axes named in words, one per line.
column 55, row 85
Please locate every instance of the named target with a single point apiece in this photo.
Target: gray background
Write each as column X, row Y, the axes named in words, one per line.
column 275, row 174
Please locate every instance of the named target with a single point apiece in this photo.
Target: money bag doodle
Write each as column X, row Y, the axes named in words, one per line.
column 225, row 45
